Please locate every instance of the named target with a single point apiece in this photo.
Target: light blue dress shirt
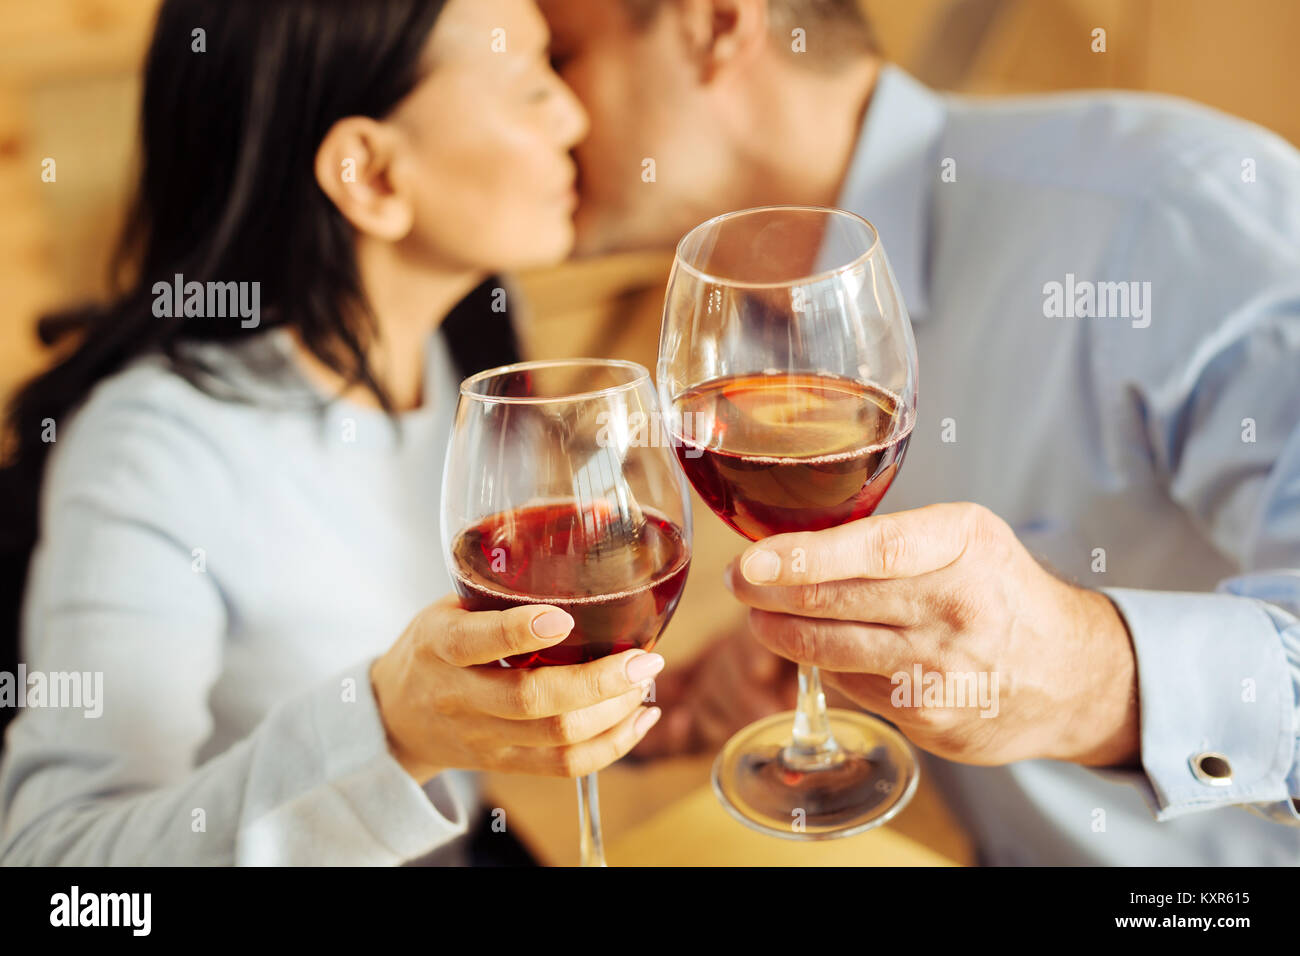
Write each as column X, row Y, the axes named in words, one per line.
column 1141, row 439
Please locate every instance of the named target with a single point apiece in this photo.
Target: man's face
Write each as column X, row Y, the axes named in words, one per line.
column 653, row 165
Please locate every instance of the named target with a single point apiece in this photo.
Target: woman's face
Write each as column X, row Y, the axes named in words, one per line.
column 489, row 130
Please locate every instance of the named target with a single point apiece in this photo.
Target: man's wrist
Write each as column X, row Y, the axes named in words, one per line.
column 1109, row 716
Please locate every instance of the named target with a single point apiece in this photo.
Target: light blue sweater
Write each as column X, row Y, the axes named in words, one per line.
column 232, row 568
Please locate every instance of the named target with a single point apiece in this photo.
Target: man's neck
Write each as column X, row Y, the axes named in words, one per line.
column 800, row 145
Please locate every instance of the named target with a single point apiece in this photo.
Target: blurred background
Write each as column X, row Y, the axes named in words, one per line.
column 69, row 88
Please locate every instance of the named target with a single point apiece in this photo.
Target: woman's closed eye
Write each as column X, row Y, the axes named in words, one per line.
column 542, row 82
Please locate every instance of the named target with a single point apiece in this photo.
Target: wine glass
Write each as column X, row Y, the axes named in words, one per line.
column 558, row 489
column 787, row 373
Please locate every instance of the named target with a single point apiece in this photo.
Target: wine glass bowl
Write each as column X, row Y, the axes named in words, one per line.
column 773, row 453
column 552, row 494
column 787, row 372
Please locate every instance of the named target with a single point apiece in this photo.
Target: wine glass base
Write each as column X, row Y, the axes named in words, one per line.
column 873, row 776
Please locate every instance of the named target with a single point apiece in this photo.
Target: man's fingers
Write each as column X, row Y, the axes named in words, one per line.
column 578, row 760
column 525, row 694
column 868, row 691
column 899, row 545
column 896, row 603
column 715, row 721
column 674, row 734
column 466, row 638
column 762, row 666
column 834, row 645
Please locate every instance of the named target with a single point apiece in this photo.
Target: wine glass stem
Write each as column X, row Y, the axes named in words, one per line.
column 591, row 846
column 813, row 747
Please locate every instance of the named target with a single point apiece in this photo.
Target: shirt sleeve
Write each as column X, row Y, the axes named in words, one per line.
column 119, row 594
column 1213, row 392
column 1217, row 675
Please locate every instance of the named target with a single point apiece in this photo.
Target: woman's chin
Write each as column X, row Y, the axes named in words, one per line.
column 546, row 247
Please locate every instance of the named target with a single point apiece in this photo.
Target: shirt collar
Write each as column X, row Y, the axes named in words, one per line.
column 891, row 174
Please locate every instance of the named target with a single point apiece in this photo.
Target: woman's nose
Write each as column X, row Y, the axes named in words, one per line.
column 573, row 122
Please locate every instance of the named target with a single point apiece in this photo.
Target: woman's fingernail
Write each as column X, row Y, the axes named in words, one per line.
column 647, row 720
column 552, row 624
column 726, row 577
column 643, row 667
column 761, row 566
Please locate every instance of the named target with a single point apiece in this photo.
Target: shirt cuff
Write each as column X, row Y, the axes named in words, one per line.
column 1212, row 679
column 361, row 808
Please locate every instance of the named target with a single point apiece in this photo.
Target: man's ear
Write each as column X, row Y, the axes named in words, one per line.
column 724, row 33
column 357, row 168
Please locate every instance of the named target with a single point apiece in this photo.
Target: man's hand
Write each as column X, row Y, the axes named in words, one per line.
column 733, row 682
column 951, row 588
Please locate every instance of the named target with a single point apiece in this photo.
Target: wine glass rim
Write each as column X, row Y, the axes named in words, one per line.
column 680, row 260
column 641, row 375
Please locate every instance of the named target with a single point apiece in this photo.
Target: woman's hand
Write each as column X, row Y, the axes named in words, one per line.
column 443, row 710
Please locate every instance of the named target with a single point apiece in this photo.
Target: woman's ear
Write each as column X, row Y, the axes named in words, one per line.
column 356, row 167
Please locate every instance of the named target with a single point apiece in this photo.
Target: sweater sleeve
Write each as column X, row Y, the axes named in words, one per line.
column 122, row 595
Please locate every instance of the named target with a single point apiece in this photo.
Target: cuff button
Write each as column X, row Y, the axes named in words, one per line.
column 1212, row 769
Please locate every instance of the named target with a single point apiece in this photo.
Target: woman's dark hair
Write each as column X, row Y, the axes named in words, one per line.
column 238, row 95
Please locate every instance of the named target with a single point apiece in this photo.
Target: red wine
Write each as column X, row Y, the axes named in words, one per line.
column 791, row 452
column 619, row 577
